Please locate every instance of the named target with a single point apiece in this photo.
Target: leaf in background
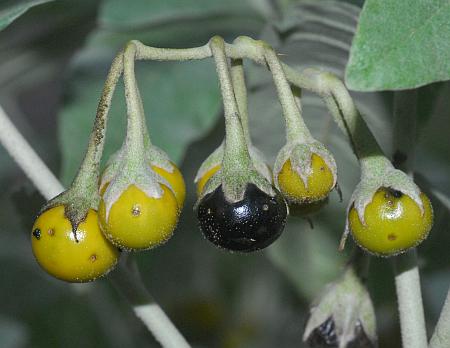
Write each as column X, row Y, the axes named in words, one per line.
column 144, row 14
column 399, row 45
column 11, row 10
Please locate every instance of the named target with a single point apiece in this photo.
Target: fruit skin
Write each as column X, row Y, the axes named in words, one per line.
column 393, row 223
column 175, row 180
column 320, row 182
column 83, row 259
column 204, row 179
column 137, row 221
column 248, row 225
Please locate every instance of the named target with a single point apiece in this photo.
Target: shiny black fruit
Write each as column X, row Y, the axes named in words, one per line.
column 248, row 225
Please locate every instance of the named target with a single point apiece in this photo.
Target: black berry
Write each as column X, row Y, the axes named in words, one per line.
column 248, row 225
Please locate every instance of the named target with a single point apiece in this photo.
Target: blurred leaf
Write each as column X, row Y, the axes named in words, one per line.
column 12, row 9
column 400, row 44
column 144, row 14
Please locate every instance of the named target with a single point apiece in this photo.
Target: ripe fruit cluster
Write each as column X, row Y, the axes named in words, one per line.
column 242, row 203
column 92, row 249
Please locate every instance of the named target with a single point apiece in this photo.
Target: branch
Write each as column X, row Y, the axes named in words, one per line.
column 129, row 284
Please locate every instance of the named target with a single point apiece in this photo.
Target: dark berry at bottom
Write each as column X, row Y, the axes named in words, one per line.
column 248, row 225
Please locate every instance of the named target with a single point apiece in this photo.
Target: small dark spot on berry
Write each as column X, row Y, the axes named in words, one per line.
column 51, row 232
column 37, row 233
column 93, row 258
column 322, row 169
column 392, row 236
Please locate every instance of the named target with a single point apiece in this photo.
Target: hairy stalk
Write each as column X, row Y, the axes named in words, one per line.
column 240, row 92
column 88, row 174
column 235, row 149
column 135, row 111
column 295, row 126
column 27, row 159
column 407, row 278
column 409, row 296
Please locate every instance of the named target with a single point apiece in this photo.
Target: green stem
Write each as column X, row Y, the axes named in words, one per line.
column 235, row 151
column 86, row 180
column 135, row 137
column 295, row 126
column 240, row 92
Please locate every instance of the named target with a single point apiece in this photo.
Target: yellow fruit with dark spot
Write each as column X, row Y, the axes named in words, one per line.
column 320, row 182
column 82, row 257
column 393, row 223
column 137, row 221
column 175, row 180
column 205, row 178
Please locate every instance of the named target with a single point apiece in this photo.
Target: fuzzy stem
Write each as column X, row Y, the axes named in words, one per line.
column 235, row 149
column 27, row 159
column 295, row 126
column 441, row 335
column 240, row 92
column 144, row 306
column 410, row 306
column 135, row 133
column 87, row 177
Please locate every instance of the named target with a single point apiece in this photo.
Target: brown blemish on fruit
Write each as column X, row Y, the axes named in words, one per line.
column 392, row 237
column 51, row 232
column 93, row 258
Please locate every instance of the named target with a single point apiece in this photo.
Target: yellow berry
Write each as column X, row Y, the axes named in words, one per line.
column 137, row 221
column 205, row 178
column 175, row 180
column 393, row 223
column 82, row 257
column 320, row 182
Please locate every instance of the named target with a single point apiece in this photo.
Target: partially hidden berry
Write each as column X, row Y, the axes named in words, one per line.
column 247, row 225
column 393, row 223
column 205, row 178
